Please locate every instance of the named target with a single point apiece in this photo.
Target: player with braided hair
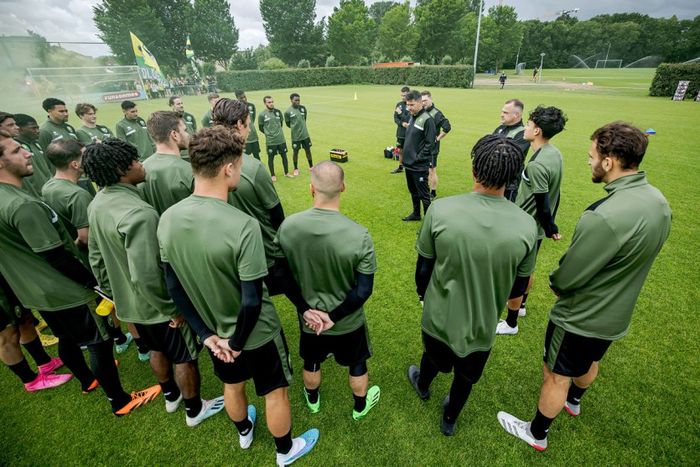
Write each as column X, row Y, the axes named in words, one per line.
column 472, row 249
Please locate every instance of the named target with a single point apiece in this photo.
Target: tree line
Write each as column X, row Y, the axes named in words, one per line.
column 432, row 32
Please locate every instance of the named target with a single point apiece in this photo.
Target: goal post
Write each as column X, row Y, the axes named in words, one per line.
column 609, row 63
column 88, row 84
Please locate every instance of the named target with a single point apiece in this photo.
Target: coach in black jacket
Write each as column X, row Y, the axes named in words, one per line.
column 418, row 154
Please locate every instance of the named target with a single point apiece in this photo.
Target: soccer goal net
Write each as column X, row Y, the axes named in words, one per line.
column 90, row 84
column 609, row 63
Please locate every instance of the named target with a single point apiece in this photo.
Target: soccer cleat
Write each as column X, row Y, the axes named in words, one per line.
column 94, row 385
column 46, row 381
column 522, row 311
column 144, row 357
column 47, row 340
column 172, row 406
column 411, row 217
column 54, row 364
column 246, row 440
column 573, row 409
column 139, row 398
column 520, row 429
column 274, row 178
column 296, row 172
column 314, row 407
column 503, row 328
column 121, row 348
column 373, row 394
column 288, row 175
column 209, row 408
column 397, row 170
column 300, row 447
column 446, row 428
column 413, row 375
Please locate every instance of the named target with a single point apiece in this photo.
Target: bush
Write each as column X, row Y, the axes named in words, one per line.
column 667, row 77
column 456, row 76
column 304, row 63
column 273, row 63
column 446, row 60
column 330, row 61
column 406, row 58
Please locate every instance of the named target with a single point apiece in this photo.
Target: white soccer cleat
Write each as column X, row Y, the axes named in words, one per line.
column 573, row 409
column 520, row 429
column 300, row 447
column 246, row 440
column 503, row 328
column 522, row 311
column 209, row 408
column 172, row 407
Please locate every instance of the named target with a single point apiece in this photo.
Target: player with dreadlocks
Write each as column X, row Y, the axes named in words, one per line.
column 472, row 249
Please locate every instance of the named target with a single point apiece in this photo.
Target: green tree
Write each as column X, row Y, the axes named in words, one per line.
column 501, row 33
column 243, row 60
column 214, row 35
column 42, row 48
column 290, row 29
column 351, row 32
column 398, row 35
column 377, row 10
column 439, row 25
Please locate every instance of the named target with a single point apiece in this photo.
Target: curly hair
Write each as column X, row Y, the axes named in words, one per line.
column 212, row 148
column 105, row 163
column 623, row 141
column 550, row 120
column 496, row 161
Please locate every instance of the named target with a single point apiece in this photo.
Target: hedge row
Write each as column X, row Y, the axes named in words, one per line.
column 457, row 76
column 669, row 74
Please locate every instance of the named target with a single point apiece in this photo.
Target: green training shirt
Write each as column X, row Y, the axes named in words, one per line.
column 613, row 247
column 253, row 135
column 43, row 168
column 51, row 131
column 255, row 196
column 295, row 118
column 28, row 227
column 70, row 202
column 212, row 247
column 542, row 174
column 88, row 135
column 270, row 123
column 135, row 132
column 480, row 243
column 169, row 179
column 324, row 250
column 190, row 122
column 124, row 255
column 206, row 120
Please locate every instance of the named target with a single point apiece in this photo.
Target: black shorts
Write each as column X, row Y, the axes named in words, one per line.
column 78, row 324
column 178, row 344
column 10, row 308
column 280, row 149
column 470, row 367
column 399, row 142
column 269, row 366
column 348, row 349
column 569, row 354
column 252, row 148
column 304, row 143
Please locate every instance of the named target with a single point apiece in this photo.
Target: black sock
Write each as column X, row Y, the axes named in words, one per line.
column 244, row 426
column 512, row 318
column 522, row 304
column 193, row 406
column 360, row 402
column 575, row 394
column 36, row 350
column 119, row 340
column 540, row 425
column 102, row 362
column 141, row 345
column 428, row 372
column 312, row 394
column 310, row 161
column 433, row 193
column 284, row 443
column 74, row 360
column 459, row 393
column 23, row 372
column 170, row 390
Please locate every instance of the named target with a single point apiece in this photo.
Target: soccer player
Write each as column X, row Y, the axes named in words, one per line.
column 599, row 278
column 202, row 236
column 442, row 125
column 8, row 124
column 255, row 194
column 177, row 106
column 56, row 126
column 168, row 178
column 335, row 277
column 34, row 243
column 43, row 170
column 474, row 251
column 295, row 118
column 401, row 118
column 270, row 124
column 17, row 327
column 124, row 257
column 512, row 127
column 418, row 154
column 90, row 132
column 252, row 145
column 538, row 193
column 212, row 98
column 132, row 129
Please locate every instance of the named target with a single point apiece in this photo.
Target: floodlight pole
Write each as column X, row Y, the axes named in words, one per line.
column 539, row 79
column 476, row 47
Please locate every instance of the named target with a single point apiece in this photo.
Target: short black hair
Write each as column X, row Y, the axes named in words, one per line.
column 497, row 161
column 413, row 96
column 212, row 148
column 106, row 162
column 4, row 116
column 239, row 93
column 51, row 102
column 293, row 95
column 405, row 89
column 23, row 120
column 426, row 93
column 161, row 123
column 171, row 101
column 228, row 112
column 63, row 151
column 622, row 141
column 266, row 98
column 126, row 105
column 550, row 120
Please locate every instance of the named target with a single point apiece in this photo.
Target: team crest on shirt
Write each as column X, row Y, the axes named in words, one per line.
column 104, row 130
column 188, row 118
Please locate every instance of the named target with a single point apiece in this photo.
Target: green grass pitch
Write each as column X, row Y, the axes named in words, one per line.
column 642, row 410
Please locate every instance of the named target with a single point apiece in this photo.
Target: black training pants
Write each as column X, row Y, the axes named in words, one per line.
column 417, row 182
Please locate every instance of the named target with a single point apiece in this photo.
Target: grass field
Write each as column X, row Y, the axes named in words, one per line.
column 643, row 409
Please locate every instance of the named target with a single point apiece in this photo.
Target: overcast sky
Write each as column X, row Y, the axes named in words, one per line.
column 71, row 20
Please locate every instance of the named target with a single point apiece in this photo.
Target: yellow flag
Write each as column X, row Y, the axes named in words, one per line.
column 143, row 55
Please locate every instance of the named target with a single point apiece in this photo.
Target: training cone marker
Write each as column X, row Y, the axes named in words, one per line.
column 355, row 98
